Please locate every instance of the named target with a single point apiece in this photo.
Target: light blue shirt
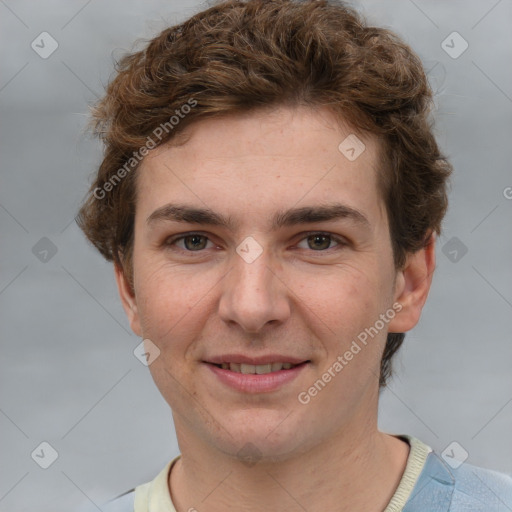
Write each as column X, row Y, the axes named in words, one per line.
column 468, row 488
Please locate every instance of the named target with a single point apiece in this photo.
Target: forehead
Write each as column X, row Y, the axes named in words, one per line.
column 262, row 161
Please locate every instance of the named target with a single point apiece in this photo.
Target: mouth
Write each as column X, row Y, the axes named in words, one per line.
column 257, row 369
column 264, row 377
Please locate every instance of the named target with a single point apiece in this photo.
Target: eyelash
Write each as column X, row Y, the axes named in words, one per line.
column 340, row 241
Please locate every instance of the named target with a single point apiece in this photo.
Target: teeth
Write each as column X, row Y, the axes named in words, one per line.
column 277, row 366
column 258, row 369
column 248, row 368
column 263, row 368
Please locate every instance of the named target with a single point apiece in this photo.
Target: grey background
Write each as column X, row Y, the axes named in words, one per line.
column 68, row 373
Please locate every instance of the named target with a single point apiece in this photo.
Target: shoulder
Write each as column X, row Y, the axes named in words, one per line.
column 480, row 487
column 460, row 489
column 123, row 503
column 154, row 492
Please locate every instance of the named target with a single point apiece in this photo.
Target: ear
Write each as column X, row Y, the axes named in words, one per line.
column 128, row 300
column 412, row 286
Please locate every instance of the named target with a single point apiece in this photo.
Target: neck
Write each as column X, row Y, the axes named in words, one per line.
column 358, row 469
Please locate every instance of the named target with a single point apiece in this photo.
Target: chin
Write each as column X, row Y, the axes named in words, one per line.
column 258, row 437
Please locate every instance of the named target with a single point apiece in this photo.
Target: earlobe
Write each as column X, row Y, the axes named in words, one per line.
column 127, row 299
column 413, row 285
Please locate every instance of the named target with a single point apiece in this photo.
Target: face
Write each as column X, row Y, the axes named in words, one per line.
column 261, row 248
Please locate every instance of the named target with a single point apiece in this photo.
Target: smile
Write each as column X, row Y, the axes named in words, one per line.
column 256, row 378
column 258, row 369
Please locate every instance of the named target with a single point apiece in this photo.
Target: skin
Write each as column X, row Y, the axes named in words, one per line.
column 306, row 297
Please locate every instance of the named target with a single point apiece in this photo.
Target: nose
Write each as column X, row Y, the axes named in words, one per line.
column 253, row 295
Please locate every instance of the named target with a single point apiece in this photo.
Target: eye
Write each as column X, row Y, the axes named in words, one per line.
column 197, row 242
column 192, row 242
column 319, row 242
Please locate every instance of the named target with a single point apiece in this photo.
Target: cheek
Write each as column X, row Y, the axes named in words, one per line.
column 170, row 302
column 346, row 306
column 344, row 299
column 172, row 316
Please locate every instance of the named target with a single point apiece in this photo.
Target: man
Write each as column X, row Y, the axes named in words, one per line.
column 270, row 195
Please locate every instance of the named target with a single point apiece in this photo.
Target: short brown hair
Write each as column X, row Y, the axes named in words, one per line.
column 241, row 55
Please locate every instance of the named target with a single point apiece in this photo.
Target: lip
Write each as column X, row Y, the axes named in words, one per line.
column 244, row 359
column 254, row 383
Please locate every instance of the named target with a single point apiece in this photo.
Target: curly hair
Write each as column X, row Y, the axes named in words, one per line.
column 241, row 55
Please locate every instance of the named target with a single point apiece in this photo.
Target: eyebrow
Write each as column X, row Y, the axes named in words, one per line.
column 287, row 218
